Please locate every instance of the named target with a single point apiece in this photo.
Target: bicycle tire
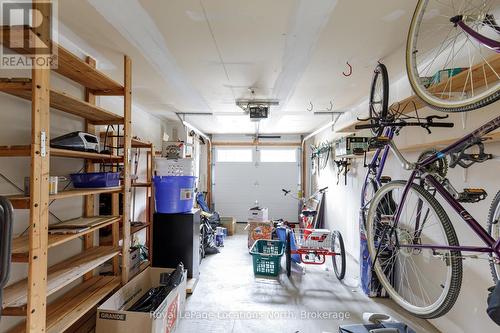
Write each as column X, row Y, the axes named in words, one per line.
column 494, row 213
column 417, row 88
column 455, row 261
column 339, row 272
column 379, row 73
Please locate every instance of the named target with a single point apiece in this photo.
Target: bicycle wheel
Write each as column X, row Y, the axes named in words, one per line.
column 288, row 253
column 494, row 231
column 448, row 67
column 338, row 258
column 423, row 281
column 379, row 96
column 368, row 191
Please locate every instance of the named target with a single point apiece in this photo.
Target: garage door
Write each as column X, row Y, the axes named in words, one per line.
column 245, row 175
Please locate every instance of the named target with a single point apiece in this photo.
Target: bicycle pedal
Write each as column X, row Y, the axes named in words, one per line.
column 378, row 142
column 472, row 195
column 385, row 179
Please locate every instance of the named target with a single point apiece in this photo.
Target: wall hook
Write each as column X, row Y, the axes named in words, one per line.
column 331, row 107
column 311, row 107
column 349, row 72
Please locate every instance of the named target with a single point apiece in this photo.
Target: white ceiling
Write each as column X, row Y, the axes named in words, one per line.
column 201, row 55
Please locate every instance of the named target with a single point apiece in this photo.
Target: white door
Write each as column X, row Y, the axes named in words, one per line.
column 245, row 175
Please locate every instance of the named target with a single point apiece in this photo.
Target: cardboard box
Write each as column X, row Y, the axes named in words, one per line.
column 258, row 215
column 258, row 230
column 113, row 317
column 229, row 223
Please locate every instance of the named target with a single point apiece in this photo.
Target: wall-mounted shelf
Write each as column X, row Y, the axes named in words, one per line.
column 61, row 274
column 67, row 309
column 460, row 82
column 24, row 150
column 63, row 102
column 23, row 202
column 491, row 138
column 20, row 244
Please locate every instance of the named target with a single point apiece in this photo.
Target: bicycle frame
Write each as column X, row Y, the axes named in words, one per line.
column 389, row 132
column 492, row 245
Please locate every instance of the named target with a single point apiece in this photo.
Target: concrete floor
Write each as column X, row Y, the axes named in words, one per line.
column 228, row 298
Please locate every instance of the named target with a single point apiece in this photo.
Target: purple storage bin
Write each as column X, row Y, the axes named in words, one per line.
column 95, row 179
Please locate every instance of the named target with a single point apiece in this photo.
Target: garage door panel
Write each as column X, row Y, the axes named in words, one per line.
column 238, row 185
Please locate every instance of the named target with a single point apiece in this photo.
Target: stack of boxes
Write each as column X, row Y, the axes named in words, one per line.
column 259, row 226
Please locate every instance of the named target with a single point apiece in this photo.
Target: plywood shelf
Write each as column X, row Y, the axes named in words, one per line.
column 23, row 202
column 107, row 240
column 95, row 157
column 63, row 102
column 141, row 184
column 67, row 309
column 71, row 66
column 24, row 150
column 20, row 244
column 137, row 143
column 79, row 71
column 490, row 138
column 61, row 274
column 137, row 228
column 460, row 82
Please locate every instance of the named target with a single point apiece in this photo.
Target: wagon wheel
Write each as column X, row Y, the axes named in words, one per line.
column 288, row 253
column 338, row 257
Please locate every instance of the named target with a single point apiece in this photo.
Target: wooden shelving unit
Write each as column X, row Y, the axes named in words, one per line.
column 460, row 82
column 28, row 297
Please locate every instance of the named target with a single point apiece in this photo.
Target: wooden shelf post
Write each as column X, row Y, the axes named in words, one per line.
column 127, row 149
column 39, row 181
column 89, row 202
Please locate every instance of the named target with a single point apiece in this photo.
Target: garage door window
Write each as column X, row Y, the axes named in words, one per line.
column 278, row 155
column 234, row 155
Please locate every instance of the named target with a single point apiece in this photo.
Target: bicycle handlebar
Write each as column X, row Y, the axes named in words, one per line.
column 426, row 123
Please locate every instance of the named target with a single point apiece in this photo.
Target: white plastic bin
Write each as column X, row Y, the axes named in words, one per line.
column 180, row 167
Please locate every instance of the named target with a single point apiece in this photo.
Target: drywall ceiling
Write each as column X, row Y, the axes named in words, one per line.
column 199, row 56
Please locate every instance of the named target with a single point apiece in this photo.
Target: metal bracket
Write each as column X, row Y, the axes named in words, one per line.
column 43, row 143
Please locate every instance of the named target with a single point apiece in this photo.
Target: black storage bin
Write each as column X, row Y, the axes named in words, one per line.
column 176, row 238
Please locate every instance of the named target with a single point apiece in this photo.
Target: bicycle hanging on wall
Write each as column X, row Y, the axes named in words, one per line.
column 452, row 64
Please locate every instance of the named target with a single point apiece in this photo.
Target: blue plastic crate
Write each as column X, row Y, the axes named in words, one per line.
column 95, row 179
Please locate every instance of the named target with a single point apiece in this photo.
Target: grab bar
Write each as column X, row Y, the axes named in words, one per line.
column 6, row 212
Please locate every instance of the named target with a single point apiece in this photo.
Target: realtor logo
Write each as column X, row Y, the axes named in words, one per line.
column 28, row 34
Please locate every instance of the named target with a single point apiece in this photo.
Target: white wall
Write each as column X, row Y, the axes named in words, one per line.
column 343, row 202
column 15, row 129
